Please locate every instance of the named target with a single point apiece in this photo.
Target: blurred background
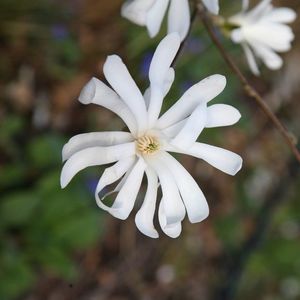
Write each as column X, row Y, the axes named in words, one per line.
column 56, row 244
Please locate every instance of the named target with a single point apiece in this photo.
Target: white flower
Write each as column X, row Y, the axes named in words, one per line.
column 144, row 148
column 150, row 13
column 262, row 32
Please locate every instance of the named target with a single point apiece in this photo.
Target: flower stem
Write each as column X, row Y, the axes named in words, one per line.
column 249, row 89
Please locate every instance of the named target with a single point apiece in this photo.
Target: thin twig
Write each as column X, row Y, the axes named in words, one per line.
column 251, row 92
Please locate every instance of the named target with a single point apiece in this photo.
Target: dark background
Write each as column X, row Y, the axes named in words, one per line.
column 56, row 244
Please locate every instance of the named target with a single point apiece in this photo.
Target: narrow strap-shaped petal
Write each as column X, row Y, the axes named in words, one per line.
column 155, row 16
column 219, row 115
column 251, row 59
column 166, row 86
column 202, row 92
column 281, row 15
column 95, row 91
column 112, row 174
column 192, row 196
column 179, row 18
column 145, row 215
column 259, row 10
column 212, row 6
column 125, row 200
column 173, row 206
column 270, row 58
column 172, row 230
column 92, row 157
column 136, row 11
column 192, row 128
column 119, row 78
column 94, row 139
column 222, row 159
column 160, row 71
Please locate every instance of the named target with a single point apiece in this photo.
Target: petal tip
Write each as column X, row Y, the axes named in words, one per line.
column 88, row 92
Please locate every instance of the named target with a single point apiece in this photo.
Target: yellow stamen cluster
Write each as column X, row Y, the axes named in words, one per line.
column 147, row 145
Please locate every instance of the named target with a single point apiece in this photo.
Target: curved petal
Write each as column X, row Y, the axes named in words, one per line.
column 94, row 139
column 119, row 78
column 95, row 91
column 179, row 17
column 212, row 6
column 92, row 157
column 173, row 206
column 172, row 230
column 111, row 175
column 136, row 11
column 203, row 91
column 251, row 59
column 224, row 160
column 155, row 16
column 281, row 15
column 272, row 60
column 145, row 215
column 160, row 72
column 192, row 196
column 125, row 200
column 221, row 115
column 173, row 130
column 192, row 127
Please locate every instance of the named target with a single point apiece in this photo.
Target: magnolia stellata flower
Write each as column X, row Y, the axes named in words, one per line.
column 144, row 149
column 150, row 13
column 262, row 32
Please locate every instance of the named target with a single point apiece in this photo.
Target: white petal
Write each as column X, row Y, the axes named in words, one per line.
column 136, row 11
column 125, row 200
column 272, row 60
column 173, row 206
column 111, row 175
column 172, row 230
column 95, row 91
column 155, row 16
column 212, row 6
column 203, row 91
column 259, row 10
column 281, row 15
column 179, row 17
column 173, row 130
column 192, row 196
column 192, row 128
column 145, row 215
column 92, row 157
column 160, row 72
column 224, row 160
column 221, row 115
column 94, row 139
column 119, row 78
column 251, row 59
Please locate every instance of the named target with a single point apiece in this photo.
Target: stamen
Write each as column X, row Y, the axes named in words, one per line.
column 147, row 145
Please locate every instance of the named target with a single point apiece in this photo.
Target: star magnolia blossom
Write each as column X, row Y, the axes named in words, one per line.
column 145, row 148
column 150, row 13
column 262, row 32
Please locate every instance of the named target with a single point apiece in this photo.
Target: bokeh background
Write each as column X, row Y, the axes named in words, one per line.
column 56, row 244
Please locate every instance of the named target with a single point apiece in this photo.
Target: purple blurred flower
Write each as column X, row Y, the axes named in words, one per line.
column 59, row 31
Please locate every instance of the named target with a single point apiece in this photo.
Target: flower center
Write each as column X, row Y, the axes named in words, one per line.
column 147, row 144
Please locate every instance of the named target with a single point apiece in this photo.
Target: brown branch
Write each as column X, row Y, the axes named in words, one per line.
column 251, row 92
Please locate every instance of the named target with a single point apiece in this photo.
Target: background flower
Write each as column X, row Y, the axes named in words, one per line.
column 262, row 32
